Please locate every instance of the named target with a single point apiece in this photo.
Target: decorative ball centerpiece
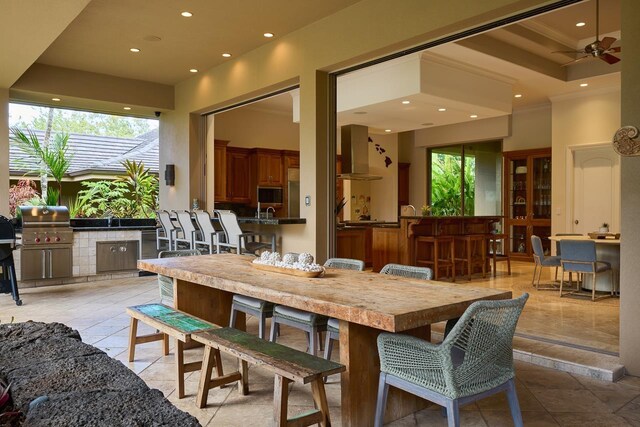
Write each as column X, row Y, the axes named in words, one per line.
column 289, row 263
column 305, row 258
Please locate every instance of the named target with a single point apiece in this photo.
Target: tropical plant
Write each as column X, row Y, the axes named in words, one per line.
column 76, row 207
column 132, row 195
column 446, row 185
column 20, row 193
column 53, row 159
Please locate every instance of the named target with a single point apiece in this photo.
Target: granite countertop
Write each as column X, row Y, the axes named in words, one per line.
column 271, row 221
column 116, row 224
column 122, row 228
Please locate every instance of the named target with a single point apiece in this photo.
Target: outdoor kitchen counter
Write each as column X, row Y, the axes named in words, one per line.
column 271, row 221
column 132, row 227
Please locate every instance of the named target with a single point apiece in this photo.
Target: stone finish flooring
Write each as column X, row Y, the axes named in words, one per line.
column 547, row 396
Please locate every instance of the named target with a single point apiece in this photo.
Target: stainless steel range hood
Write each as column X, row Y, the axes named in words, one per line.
column 355, row 153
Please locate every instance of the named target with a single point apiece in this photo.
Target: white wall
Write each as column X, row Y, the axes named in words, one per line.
column 530, row 128
column 590, row 118
column 245, row 127
column 384, row 193
column 4, row 152
column 417, row 156
column 478, row 130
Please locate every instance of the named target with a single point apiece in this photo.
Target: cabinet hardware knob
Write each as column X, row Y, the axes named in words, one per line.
column 576, row 222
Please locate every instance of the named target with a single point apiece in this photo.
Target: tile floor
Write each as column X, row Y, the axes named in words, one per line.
column 547, row 397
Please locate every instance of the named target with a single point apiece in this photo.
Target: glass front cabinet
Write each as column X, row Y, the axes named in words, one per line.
column 527, row 199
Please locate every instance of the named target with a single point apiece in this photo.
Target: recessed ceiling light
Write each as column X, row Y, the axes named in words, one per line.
column 517, row 95
column 405, row 102
column 581, row 24
column 127, row 108
column 193, row 70
column 268, row 35
column 55, row 99
column 187, row 14
column 134, row 50
column 474, row 116
column 226, row 55
column 387, row 130
column 442, row 109
column 584, row 84
column 359, row 112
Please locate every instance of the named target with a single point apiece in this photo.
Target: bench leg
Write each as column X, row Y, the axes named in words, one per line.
column 180, row 368
column 243, row 383
column 280, row 400
column 133, row 333
column 165, row 341
column 320, row 399
column 205, row 377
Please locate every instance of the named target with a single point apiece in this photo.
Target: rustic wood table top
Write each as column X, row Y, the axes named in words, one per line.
column 382, row 302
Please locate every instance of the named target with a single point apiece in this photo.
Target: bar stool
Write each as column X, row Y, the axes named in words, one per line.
column 492, row 242
column 440, row 254
column 472, row 252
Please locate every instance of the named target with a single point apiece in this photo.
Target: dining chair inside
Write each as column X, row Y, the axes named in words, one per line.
column 497, row 255
column 313, row 324
column 208, row 234
column 541, row 260
column 473, row 362
column 166, row 283
column 579, row 256
column 167, row 230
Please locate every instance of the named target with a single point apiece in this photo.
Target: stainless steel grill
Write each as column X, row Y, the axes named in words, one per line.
column 47, row 241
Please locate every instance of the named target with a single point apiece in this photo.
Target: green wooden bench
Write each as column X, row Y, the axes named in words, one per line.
column 287, row 363
column 170, row 323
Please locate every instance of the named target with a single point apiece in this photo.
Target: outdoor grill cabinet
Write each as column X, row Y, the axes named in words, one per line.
column 116, row 256
column 38, row 263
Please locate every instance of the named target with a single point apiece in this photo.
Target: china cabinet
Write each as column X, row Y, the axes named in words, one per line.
column 527, row 200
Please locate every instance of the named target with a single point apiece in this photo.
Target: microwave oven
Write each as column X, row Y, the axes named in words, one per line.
column 270, row 195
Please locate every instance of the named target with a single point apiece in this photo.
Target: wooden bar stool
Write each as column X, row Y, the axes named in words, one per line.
column 492, row 243
column 472, row 252
column 440, row 253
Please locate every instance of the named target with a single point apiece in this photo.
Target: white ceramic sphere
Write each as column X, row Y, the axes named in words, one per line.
column 275, row 257
column 289, row 258
column 305, row 258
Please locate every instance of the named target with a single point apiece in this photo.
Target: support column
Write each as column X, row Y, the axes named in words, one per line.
column 4, row 152
column 630, row 189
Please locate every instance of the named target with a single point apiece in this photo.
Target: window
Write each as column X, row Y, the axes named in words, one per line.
column 465, row 180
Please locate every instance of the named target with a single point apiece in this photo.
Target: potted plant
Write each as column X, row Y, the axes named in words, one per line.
column 604, row 228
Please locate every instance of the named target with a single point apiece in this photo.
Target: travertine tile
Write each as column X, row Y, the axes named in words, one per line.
column 567, row 400
column 580, row 419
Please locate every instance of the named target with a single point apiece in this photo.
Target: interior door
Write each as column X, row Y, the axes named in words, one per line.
column 596, row 189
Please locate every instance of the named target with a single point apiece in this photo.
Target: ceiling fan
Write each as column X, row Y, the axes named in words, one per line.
column 598, row 48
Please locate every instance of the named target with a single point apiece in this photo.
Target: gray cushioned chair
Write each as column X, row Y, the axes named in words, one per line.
column 166, row 283
column 473, row 362
column 333, row 325
column 579, row 256
column 311, row 323
column 542, row 260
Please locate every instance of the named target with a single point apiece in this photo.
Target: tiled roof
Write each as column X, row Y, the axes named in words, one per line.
column 93, row 153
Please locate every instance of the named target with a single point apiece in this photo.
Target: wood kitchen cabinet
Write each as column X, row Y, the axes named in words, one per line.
column 220, row 170
column 238, row 175
column 268, row 167
column 403, row 184
column 527, row 200
column 355, row 243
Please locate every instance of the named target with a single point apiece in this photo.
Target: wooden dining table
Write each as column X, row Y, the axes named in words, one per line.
column 366, row 304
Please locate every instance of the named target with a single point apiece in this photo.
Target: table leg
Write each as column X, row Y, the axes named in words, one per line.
column 210, row 304
column 359, row 353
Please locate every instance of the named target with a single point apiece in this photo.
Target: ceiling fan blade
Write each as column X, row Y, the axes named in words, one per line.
column 616, row 49
column 577, row 60
column 606, row 42
column 608, row 58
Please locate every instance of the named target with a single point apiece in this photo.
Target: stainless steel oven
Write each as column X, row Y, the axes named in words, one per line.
column 47, row 243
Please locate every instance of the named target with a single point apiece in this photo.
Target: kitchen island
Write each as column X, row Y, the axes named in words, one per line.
column 396, row 244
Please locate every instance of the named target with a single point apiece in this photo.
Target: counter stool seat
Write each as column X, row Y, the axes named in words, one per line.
column 471, row 252
column 440, row 254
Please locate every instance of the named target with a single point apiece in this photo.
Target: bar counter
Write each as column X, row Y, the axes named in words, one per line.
column 395, row 244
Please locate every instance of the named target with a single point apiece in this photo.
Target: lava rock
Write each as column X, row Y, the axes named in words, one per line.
column 108, row 408
column 14, row 335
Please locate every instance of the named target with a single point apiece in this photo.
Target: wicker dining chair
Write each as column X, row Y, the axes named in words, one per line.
column 166, row 283
column 473, row 362
column 333, row 325
column 311, row 323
